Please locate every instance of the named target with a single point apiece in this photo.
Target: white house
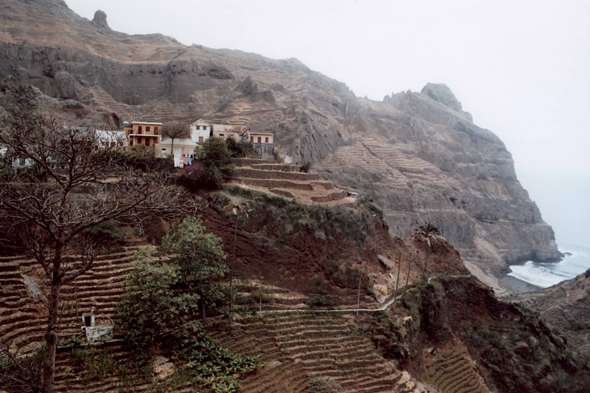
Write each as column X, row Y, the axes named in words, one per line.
column 200, row 131
column 182, row 147
column 107, row 139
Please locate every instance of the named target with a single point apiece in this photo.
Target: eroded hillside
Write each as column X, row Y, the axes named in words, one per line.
column 419, row 156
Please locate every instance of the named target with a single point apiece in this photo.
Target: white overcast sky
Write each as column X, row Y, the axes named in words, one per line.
column 522, row 68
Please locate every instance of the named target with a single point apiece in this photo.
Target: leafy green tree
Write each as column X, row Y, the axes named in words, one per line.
column 214, row 168
column 165, row 290
column 151, row 307
column 200, row 259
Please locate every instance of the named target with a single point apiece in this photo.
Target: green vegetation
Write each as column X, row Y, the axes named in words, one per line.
column 324, row 222
column 306, row 166
column 214, row 168
column 319, row 301
column 141, row 158
column 106, row 232
column 164, row 293
column 385, row 334
column 20, row 373
column 239, row 149
column 257, row 296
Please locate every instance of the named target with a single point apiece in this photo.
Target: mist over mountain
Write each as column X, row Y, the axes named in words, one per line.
column 418, row 156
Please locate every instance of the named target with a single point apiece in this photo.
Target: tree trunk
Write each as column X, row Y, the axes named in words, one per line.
column 233, row 258
column 399, row 268
column 203, row 316
column 51, row 339
column 426, row 261
column 358, row 301
column 407, row 277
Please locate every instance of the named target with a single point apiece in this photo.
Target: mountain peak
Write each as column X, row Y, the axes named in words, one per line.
column 441, row 93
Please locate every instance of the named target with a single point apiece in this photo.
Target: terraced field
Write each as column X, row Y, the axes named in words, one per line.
column 297, row 347
column 455, row 375
column 22, row 320
column 287, row 181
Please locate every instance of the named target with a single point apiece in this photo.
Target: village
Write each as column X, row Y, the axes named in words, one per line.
column 184, row 149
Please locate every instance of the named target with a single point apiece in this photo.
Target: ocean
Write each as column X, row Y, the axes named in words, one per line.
column 564, row 203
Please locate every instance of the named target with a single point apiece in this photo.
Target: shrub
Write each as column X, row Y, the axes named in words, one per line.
column 306, row 166
column 107, row 231
column 21, row 373
column 319, row 301
column 214, row 167
column 75, row 341
column 257, row 296
column 142, row 158
column 324, row 385
column 239, row 149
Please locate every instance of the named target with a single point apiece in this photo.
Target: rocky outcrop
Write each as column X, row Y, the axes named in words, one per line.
column 100, row 19
column 417, row 155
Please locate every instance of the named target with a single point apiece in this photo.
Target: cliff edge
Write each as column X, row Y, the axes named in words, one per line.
column 419, row 156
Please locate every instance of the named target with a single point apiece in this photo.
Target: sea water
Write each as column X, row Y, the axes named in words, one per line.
column 564, row 203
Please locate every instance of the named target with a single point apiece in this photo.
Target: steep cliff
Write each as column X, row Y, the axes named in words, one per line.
column 417, row 155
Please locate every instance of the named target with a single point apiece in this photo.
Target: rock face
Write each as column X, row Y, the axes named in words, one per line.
column 417, row 155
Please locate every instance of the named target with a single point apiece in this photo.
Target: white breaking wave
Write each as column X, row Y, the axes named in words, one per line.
column 545, row 275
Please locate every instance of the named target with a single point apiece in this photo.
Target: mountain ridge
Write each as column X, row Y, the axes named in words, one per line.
column 420, row 158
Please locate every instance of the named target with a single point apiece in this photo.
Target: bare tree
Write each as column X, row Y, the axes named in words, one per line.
column 175, row 131
column 80, row 186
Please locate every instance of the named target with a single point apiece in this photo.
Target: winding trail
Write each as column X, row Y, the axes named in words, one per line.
column 384, row 307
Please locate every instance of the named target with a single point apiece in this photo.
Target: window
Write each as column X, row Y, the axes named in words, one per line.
column 221, row 135
column 259, row 139
column 155, row 129
column 139, row 129
column 147, row 141
column 164, row 152
column 197, row 128
column 201, row 139
column 147, row 129
column 266, row 140
column 21, row 161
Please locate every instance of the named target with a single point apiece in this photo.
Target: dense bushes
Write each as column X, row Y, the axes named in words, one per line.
column 213, row 169
column 107, row 232
column 326, row 222
column 167, row 290
column 142, row 158
column 239, row 149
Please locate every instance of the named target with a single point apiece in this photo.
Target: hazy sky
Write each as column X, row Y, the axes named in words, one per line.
column 522, row 68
